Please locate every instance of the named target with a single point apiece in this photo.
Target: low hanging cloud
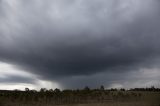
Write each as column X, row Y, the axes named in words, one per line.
column 75, row 41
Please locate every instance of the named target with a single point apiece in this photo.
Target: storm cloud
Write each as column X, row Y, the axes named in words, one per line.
column 89, row 41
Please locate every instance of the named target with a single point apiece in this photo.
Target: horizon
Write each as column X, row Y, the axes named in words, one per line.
column 87, row 87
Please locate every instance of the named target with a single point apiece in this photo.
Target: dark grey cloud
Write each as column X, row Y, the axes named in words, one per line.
column 64, row 40
column 16, row 79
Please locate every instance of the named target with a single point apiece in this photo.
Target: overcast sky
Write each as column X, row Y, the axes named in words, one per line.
column 77, row 43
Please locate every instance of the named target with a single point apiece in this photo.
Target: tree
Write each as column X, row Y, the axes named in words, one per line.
column 57, row 90
column 102, row 88
column 122, row 89
column 43, row 90
column 86, row 88
column 50, row 90
column 26, row 89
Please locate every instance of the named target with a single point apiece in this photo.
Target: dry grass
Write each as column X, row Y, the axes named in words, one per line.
column 118, row 99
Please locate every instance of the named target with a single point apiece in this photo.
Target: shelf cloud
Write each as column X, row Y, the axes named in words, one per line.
column 82, row 42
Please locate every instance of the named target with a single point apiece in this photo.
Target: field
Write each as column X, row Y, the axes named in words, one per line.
column 85, row 97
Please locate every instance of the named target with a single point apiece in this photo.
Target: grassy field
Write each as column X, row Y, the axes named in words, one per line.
column 80, row 98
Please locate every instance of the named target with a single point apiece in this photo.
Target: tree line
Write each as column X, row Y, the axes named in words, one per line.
column 68, row 96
